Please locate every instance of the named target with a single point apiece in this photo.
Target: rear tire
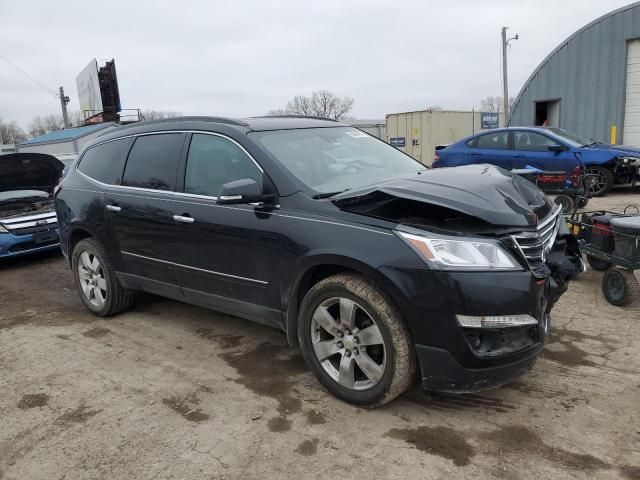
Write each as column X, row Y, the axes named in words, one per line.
column 605, row 180
column 355, row 341
column 598, row 264
column 620, row 287
column 96, row 280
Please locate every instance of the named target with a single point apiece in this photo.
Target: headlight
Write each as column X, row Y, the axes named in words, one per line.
column 3, row 230
column 469, row 254
column 630, row 160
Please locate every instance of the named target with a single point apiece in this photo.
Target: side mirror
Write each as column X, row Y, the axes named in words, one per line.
column 246, row 190
column 557, row 148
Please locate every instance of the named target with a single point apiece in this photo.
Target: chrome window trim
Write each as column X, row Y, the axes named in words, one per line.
column 228, row 275
column 135, row 135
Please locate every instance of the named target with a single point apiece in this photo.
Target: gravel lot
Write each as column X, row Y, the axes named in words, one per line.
column 173, row 391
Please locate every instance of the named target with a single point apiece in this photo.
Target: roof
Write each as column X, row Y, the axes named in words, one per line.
column 285, row 122
column 564, row 44
column 66, row 135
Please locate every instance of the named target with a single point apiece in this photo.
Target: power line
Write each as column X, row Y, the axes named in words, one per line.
column 28, row 76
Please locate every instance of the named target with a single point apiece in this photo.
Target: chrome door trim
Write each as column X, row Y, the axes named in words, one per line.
column 227, row 275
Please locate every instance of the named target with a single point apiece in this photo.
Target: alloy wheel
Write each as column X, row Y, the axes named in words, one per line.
column 92, row 279
column 599, row 184
column 348, row 343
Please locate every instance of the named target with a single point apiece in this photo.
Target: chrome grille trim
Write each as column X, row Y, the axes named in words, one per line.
column 23, row 225
column 534, row 246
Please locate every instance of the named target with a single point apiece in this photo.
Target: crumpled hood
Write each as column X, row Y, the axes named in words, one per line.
column 29, row 171
column 489, row 193
column 615, row 150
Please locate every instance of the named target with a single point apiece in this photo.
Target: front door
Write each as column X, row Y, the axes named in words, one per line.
column 226, row 255
column 531, row 149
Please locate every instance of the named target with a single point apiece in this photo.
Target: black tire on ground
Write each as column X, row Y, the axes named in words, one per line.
column 399, row 365
column 581, row 202
column 566, row 202
column 605, row 180
column 620, row 287
column 598, row 264
column 117, row 299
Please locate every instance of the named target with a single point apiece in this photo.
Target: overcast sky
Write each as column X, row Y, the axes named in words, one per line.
column 245, row 57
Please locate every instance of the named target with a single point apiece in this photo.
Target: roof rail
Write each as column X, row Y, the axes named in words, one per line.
column 312, row 117
column 229, row 121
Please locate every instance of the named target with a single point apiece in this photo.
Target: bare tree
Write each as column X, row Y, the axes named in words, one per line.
column 434, row 108
column 159, row 114
column 11, row 132
column 494, row 104
column 41, row 125
column 320, row 103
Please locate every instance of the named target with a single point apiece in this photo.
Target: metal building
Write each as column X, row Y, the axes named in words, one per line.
column 69, row 141
column 590, row 84
column 418, row 133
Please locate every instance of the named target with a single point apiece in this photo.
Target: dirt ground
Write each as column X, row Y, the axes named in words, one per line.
column 171, row 391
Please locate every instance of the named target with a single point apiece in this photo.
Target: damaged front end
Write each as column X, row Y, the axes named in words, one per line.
column 497, row 256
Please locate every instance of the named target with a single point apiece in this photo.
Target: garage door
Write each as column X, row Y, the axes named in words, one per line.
column 632, row 103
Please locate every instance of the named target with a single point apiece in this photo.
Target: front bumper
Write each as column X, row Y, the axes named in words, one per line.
column 448, row 356
column 441, row 371
column 16, row 245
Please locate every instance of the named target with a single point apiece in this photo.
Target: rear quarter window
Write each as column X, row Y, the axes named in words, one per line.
column 104, row 162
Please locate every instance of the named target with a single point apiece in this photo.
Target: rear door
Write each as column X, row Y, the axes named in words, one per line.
column 492, row 148
column 141, row 210
column 531, row 149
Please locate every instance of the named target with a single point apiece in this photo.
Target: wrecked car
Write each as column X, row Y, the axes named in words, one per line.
column 28, row 221
column 548, row 149
column 374, row 266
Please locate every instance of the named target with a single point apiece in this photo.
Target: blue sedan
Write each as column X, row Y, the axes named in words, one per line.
column 549, row 149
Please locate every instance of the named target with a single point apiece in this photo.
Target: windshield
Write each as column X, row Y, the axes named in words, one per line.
column 331, row 160
column 571, row 138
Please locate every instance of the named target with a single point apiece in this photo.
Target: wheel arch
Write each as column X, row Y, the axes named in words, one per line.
column 315, row 269
column 76, row 234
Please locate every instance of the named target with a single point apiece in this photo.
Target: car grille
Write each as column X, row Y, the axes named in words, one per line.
column 30, row 224
column 535, row 246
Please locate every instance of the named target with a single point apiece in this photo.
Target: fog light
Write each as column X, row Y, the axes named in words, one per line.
column 499, row 321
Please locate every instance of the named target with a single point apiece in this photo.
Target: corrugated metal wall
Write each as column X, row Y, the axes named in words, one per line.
column 587, row 73
column 421, row 131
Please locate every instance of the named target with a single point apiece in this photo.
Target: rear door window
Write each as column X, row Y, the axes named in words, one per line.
column 494, row 141
column 104, row 162
column 214, row 161
column 153, row 162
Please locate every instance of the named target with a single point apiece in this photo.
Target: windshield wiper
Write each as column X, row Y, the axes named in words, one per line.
column 593, row 143
column 319, row 196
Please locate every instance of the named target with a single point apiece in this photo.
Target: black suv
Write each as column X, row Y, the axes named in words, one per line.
column 371, row 263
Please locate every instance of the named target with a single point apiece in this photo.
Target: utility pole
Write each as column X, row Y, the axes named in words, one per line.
column 505, row 83
column 63, row 103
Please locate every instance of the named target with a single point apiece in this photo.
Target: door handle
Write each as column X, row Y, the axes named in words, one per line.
column 183, row 219
column 475, row 153
column 113, row 208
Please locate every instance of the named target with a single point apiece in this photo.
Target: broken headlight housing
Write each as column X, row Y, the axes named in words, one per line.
column 447, row 253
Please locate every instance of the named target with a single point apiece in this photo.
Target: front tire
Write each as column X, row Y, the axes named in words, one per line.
column 355, row 341
column 598, row 264
column 96, row 280
column 605, row 180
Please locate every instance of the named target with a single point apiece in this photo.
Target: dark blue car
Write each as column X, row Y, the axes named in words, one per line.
column 549, row 149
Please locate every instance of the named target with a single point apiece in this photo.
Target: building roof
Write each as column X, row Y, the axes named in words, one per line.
column 564, row 44
column 67, row 134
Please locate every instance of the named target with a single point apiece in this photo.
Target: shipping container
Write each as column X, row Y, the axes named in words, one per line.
column 418, row 133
